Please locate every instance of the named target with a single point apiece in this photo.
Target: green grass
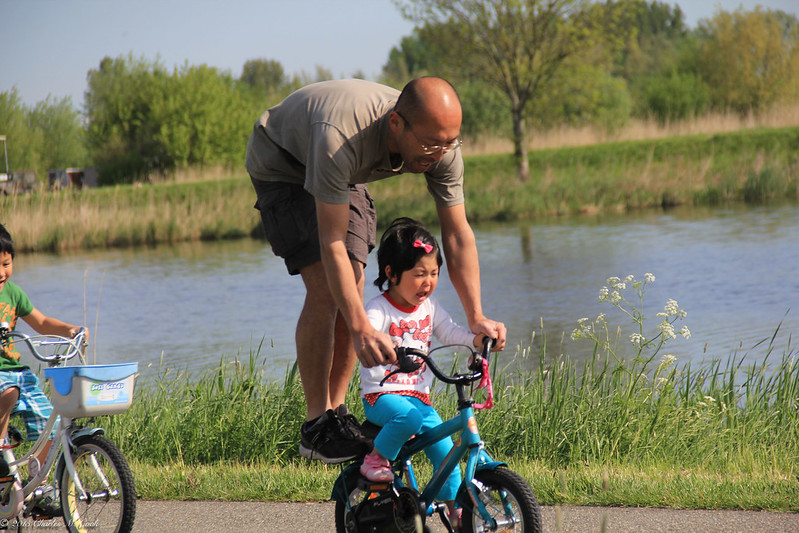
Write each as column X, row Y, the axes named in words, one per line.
column 751, row 166
column 591, row 485
column 605, row 432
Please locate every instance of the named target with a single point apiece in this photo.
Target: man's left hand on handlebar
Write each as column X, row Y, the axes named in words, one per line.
column 491, row 328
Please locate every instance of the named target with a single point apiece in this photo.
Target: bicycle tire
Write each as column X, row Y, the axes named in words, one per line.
column 106, row 510
column 504, row 489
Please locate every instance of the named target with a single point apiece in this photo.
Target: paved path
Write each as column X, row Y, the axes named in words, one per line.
column 211, row 517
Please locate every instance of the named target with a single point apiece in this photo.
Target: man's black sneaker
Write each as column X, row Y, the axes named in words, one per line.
column 332, row 439
column 353, row 427
column 46, row 506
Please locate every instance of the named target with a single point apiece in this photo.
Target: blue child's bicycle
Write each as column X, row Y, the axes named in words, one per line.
column 493, row 498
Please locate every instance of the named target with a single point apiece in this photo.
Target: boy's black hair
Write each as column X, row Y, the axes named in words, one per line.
column 397, row 249
column 6, row 242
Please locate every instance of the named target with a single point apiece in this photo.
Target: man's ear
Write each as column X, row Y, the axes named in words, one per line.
column 395, row 121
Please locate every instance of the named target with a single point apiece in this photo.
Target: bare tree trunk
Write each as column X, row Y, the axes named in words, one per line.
column 520, row 144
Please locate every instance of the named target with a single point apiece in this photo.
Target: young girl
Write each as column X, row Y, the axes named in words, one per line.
column 409, row 260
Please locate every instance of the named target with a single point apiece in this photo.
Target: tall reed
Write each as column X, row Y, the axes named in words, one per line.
column 131, row 215
column 725, row 417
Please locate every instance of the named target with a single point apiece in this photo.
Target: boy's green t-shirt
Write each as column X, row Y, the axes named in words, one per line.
column 14, row 303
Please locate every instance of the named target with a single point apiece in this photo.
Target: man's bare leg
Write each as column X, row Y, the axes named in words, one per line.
column 344, row 356
column 314, row 338
column 337, row 437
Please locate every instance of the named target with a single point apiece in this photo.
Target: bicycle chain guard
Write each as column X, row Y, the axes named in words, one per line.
column 388, row 510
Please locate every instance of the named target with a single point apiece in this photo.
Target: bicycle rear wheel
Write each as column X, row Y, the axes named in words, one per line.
column 110, row 504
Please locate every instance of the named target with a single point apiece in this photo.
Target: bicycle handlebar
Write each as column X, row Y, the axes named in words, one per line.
column 407, row 363
column 74, row 345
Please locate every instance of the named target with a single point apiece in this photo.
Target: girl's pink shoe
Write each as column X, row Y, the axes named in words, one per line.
column 456, row 519
column 375, row 468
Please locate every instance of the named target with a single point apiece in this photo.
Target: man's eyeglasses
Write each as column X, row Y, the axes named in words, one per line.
column 430, row 149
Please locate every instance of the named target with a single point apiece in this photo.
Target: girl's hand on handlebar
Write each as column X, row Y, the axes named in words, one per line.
column 478, row 340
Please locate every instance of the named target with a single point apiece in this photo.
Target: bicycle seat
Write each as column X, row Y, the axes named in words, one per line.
column 370, row 429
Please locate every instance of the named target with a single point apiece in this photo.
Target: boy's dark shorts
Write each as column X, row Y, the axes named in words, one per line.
column 288, row 213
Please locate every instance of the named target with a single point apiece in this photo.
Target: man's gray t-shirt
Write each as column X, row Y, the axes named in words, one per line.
column 329, row 135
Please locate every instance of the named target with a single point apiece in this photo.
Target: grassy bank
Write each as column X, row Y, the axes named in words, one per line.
column 642, row 432
column 756, row 165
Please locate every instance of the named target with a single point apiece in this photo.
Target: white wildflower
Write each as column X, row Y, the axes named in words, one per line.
column 674, row 310
column 649, row 278
column 668, row 360
column 615, row 297
column 603, row 294
column 667, row 330
column 710, row 399
column 671, row 308
column 584, row 331
column 629, row 278
column 637, row 338
column 685, row 332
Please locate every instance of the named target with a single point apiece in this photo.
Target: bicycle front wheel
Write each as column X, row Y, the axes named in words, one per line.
column 509, row 500
column 110, row 501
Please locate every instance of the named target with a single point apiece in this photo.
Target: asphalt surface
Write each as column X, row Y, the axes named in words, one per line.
column 201, row 517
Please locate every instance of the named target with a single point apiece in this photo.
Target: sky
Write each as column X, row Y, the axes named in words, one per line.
column 48, row 46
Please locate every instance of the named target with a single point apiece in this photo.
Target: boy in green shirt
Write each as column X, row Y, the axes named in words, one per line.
column 19, row 387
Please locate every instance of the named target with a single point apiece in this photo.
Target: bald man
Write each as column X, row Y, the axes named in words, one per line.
column 309, row 158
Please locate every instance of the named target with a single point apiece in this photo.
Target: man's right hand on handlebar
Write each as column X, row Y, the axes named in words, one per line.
column 373, row 348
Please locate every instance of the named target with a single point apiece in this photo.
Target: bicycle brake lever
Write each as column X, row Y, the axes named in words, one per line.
column 477, row 363
column 405, row 364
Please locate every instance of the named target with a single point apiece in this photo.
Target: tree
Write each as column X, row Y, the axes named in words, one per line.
column 48, row 136
column 515, row 45
column 24, row 142
column 413, row 57
column 118, row 101
column 659, row 30
column 264, row 76
column 62, row 133
column 750, row 60
column 145, row 121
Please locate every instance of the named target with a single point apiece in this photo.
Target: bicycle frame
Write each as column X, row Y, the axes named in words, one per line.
column 61, row 444
column 470, row 446
column 491, row 496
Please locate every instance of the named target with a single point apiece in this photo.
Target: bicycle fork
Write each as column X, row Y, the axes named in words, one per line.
column 66, row 449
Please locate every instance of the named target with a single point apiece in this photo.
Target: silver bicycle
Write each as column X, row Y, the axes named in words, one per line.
column 92, row 477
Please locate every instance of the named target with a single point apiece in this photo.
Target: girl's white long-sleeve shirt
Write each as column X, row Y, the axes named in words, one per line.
column 414, row 328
